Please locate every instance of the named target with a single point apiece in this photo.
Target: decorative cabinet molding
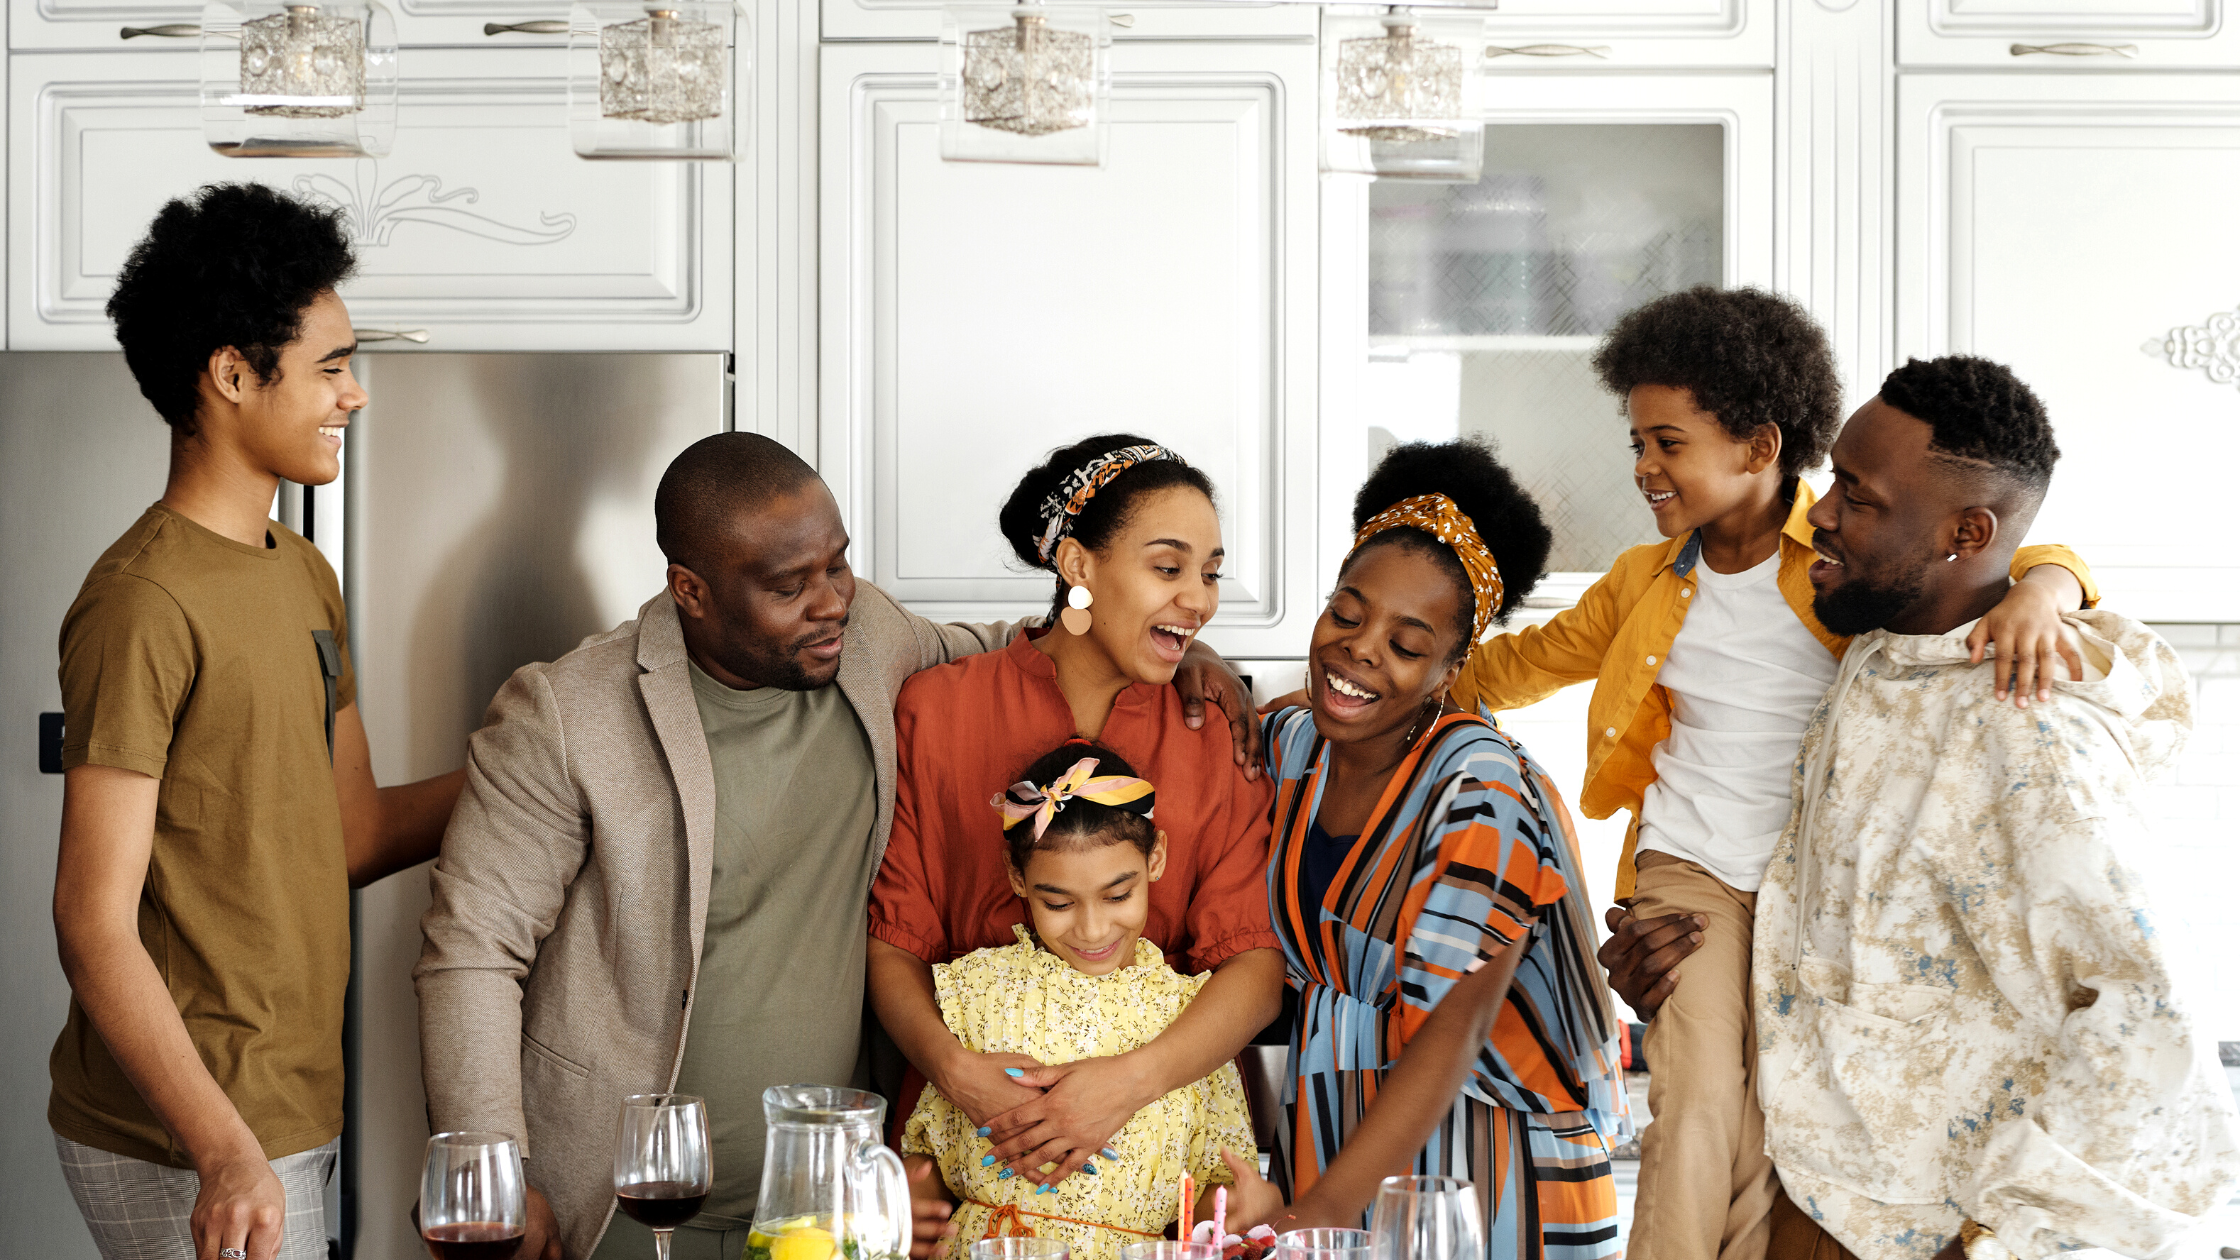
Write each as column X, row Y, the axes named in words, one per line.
column 2069, row 34
column 482, row 226
column 2020, row 238
column 1834, row 102
column 1233, row 19
column 1568, row 36
column 975, row 316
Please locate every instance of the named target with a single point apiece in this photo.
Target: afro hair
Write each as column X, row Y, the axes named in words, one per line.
column 1507, row 519
column 1980, row 412
column 231, row 265
column 1749, row 357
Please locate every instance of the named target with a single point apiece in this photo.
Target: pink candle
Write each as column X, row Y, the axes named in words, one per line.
column 1220, row 1216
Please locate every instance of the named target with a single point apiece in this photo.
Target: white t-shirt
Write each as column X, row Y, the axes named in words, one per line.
column 1745, row 675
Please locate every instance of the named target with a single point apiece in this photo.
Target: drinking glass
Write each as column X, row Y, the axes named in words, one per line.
column 1323, row 1244
column 1163, row 1250
column 1020, row 1248
column 471, row 1197
column 662, row 1172
column 1426, row 1218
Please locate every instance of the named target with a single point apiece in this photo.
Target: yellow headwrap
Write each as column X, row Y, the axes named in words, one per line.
column 1436, row 515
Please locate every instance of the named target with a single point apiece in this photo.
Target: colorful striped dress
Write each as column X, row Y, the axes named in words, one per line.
column 1468, row 838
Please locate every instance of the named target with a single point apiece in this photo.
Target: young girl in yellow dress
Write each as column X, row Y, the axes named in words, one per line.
column 1082, row 851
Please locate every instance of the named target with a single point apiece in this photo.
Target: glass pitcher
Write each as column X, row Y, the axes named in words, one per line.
column 830, row 1189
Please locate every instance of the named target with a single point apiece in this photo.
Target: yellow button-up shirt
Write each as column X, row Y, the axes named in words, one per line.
column 1618, row 634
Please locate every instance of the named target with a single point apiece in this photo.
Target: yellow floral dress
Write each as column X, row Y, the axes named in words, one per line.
column 1021, row 999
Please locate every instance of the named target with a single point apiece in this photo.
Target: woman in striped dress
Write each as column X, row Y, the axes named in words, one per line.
column 1426, row 887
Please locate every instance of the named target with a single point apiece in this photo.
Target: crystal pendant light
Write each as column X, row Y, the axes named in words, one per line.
column 1399, row 95
column 299, row 80
column 1025, row 83
column 655, row 79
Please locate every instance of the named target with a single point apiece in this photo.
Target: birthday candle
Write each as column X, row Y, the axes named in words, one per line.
column 1220, row 1215
column 1189, row 1197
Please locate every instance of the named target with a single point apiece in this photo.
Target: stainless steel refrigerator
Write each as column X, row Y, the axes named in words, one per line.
column 493, row 510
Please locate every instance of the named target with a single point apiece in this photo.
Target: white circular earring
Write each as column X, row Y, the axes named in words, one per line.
column 1076, row 615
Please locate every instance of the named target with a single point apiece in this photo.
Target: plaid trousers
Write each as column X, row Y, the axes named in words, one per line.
column 139, row 1211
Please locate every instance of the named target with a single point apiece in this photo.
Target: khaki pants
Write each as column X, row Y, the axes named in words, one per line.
column 1706, row 1185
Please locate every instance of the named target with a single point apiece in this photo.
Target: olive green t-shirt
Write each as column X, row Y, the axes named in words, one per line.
column 196, row 660
column 780, row 995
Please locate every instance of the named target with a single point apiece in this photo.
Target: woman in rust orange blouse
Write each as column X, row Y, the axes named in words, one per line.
column 1129, row 532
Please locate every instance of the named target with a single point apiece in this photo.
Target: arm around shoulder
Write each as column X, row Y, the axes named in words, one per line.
column 1521, row 667
column 515, row 842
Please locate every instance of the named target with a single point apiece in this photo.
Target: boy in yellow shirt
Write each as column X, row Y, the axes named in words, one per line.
column 1707, row 663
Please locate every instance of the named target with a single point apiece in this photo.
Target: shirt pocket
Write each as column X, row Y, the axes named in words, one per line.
column 1868, row 1111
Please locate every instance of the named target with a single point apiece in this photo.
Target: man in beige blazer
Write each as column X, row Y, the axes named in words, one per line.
column 673, row 828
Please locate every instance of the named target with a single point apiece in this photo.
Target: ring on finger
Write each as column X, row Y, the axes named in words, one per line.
column 232, row 1253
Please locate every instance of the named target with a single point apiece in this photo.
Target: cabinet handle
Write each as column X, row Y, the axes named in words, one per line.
column 169, row 30
column 547, row 26
column 1547, row 50
column 2074, row 50
column 417, row 336
column 1122, row 20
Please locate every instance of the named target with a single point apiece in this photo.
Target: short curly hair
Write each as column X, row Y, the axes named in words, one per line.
column 1507, row 519
column 1979, row 412
column 230, row 265
column 1748, row 356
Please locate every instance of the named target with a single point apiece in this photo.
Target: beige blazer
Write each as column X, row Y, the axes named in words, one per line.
column 559, row 955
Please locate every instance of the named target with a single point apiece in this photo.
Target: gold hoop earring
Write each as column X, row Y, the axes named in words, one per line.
column 1076, row 614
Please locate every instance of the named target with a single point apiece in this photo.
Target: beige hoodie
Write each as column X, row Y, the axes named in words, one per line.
column 1963, row 1007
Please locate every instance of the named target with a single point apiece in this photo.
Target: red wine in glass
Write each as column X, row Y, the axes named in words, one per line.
column 473, row 1240
column 660, row 1204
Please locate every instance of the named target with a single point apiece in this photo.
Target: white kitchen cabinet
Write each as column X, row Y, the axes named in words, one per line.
column 94, row 25
column 2069, row 34
column 2076, row 228
column 1475, row 309
column 1194, row 19
column 975, row 315
column 481, row 228
column 1568, row 36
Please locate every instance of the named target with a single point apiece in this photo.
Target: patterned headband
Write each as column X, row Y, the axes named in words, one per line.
column 1023, row 800
column 1081, row 485
column 1436, row 515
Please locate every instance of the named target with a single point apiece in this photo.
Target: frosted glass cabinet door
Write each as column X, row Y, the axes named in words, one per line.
column 1475, row 309
column 2019, row 239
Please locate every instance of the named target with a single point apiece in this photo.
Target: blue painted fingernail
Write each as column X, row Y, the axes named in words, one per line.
column 983, row 1130
column 1089, row 1168
column 1005, row 1175
column 1013, row 1072
column 986, row 1160
column 1109, row 1153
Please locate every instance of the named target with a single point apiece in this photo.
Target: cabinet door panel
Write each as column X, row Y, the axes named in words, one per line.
column 977, row 315
column 1568, row 36
column 921, row 19
column 481, row 227
column 2020, row 240
column 2068, row 34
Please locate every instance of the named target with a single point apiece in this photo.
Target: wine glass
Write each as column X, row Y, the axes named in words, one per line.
column 662, row 1173
column 1323, row 1244
column 1426, row 1218
column 472, row 1204
column 1164, row 1250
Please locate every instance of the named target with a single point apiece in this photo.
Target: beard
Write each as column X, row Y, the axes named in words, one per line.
column 1861, row 604
column 781, row 669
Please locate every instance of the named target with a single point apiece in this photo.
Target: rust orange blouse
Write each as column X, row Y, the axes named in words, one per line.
column 964, row 731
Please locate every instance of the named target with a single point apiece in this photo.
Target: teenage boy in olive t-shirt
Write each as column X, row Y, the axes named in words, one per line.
column 218, row 801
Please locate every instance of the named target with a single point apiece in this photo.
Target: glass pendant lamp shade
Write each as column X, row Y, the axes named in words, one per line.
column 1025, row 83
column 299, row 80
column 1399, row 95
column 657, row 80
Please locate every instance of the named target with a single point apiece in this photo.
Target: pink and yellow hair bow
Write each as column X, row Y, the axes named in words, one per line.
column 1023, row 800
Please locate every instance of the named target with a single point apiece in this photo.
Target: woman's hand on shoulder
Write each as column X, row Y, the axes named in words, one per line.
column 1204, row 676
column 985, row 1086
